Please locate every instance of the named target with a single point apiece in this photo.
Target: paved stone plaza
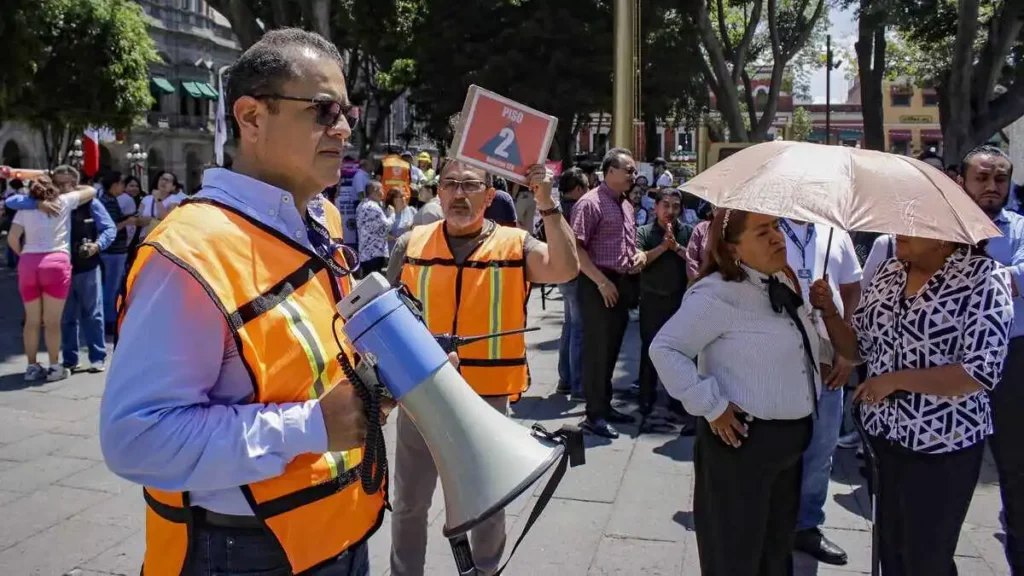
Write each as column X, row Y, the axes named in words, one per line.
column 627, row 512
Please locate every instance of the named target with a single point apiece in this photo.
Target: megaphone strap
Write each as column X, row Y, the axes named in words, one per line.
column 573, row 455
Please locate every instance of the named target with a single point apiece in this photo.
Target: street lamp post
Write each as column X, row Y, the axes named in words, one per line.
column 76, row 157
column 829, row 67
column 136, row 160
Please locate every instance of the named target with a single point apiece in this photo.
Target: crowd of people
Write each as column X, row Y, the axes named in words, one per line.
column 753, row 332
column 69, row 241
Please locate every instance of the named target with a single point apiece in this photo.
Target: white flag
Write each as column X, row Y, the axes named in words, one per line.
column 220, row 134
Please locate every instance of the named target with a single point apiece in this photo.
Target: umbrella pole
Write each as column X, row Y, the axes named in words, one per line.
column 828, row 251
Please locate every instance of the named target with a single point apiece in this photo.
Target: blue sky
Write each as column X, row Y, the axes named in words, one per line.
column 844, row 33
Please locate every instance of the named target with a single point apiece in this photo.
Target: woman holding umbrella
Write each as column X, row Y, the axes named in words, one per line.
column 932, row 327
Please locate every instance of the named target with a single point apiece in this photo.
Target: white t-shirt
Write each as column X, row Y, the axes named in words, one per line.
column 809, row 263
column 45, row 234
column 146, row 210
column 880, row 252
column 664, row 179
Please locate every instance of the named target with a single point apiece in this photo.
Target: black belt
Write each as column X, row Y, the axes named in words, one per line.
column 217, row 520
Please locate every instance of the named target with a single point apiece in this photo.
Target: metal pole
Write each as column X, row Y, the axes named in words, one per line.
column 828, row 89
column 624, row 78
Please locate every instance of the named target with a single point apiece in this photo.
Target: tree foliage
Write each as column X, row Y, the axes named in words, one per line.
column 802, row 125
column 376, row 38
column 742, row 37
column 86, row 63
column 971, row 53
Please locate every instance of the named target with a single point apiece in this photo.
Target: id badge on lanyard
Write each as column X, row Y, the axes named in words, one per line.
column 804, row 273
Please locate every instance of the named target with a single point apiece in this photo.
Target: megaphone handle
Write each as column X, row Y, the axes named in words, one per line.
column 463, row 555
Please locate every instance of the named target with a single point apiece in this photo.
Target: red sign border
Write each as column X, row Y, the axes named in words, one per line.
column 469, row 108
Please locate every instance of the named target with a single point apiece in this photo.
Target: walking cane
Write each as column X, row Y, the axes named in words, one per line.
column 873, row 486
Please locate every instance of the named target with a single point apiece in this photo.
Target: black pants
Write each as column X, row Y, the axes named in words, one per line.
column 603, row 330
column 922, row 503
column 655, row 310
column 373, row 265
column 746, row 499
column 1008, row 420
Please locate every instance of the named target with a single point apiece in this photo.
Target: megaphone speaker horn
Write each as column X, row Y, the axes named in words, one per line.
column 484, row 459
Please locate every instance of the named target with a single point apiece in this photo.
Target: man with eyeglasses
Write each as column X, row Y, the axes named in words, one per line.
column 473, row 277
column 224, row 398
column 605, row 231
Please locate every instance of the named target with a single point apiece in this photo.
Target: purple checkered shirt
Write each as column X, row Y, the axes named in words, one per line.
column 604, row 224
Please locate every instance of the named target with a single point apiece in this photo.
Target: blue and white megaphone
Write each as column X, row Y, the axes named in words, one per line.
column 484, row 459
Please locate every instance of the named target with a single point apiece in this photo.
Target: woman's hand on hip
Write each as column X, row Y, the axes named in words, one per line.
column 728, row 426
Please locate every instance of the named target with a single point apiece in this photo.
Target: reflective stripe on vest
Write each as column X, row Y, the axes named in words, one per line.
column 397, row 174
column 486, row 293
column 278, row 299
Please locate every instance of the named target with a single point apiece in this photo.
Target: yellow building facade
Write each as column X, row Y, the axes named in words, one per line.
column 910, row 115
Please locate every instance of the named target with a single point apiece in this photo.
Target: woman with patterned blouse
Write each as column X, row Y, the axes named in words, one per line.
column 932, row 327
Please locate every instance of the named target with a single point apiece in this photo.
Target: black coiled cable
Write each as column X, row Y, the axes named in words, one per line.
column 374, row 467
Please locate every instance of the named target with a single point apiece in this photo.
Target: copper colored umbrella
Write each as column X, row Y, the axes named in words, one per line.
column 848, row 188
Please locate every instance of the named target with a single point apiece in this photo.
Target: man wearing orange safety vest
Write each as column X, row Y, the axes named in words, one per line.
column 472, row 277
column 226, row 397
column 396, row 173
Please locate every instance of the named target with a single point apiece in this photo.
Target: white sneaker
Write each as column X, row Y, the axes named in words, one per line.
column 97, row 367
column 35, row 373
column 851, row 440
column 57, row 373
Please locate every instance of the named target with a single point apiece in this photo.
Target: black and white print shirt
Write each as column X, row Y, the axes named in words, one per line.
column 961, row 316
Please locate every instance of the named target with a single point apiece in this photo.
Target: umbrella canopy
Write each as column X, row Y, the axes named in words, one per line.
column 850, row 188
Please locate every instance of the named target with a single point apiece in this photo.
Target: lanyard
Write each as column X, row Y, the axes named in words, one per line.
column 801, row 245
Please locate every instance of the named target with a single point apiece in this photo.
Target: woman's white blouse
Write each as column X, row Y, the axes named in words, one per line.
column 749, row 354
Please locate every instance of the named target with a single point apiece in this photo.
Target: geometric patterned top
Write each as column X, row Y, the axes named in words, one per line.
column 962, row 315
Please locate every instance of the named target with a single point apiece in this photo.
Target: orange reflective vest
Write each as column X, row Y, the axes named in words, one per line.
column 397, row 174
column 486, row 293
column 278, row 299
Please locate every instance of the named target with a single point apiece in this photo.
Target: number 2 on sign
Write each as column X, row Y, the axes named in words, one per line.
column 501, row 149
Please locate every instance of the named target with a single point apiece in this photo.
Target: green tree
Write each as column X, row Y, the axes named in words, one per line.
column 741, row 37
column 552, row 55
column 801, row 125
column 670, row 91
column 92, row 69
column 375, row 37
column 971, row 53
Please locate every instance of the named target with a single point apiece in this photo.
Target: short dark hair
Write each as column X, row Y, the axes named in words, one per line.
column 109, row 179
column 983, row 150
column 269, row 63
column 664, row 193
column 613, row 158
column 571, row 179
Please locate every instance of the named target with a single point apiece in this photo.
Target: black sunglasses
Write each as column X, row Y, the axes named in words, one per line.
column 328, row 111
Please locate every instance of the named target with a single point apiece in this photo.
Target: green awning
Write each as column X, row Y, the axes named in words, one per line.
column 192, row 89
column 207, row 90
column 163, row 85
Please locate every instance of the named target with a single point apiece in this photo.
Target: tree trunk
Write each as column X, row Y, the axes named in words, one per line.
column 870, row 49
column 957, row 90
column 650, row 136
column 243, row 21
column 717, row 73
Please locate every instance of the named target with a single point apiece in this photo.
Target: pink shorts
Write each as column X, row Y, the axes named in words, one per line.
column 48, row 273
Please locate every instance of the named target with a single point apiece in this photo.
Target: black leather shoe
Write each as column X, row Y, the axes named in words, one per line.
column 687, row 429
column 600, row 428
column 616, row 417
column 813, row 543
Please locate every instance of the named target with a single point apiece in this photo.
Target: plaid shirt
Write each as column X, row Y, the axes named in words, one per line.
column 603, row 223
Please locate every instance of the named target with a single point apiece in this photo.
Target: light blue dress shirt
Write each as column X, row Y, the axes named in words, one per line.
column 1008, row 250
column 176, row 412
column 106, row 230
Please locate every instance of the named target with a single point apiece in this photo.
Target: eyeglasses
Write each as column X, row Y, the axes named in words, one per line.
column 328, row 111
column 451, row 185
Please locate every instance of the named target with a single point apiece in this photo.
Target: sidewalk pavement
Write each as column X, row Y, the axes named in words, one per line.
column 628, row 511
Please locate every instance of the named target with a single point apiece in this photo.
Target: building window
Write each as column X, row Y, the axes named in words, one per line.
column 930, row 98
column 900, row 99
column 899, row 147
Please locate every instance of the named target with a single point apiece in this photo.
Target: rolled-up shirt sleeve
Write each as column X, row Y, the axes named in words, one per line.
column 674, row 351
column 169, row 417
column 987, row 327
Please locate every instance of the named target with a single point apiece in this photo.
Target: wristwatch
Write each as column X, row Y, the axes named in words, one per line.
column 549, row 211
